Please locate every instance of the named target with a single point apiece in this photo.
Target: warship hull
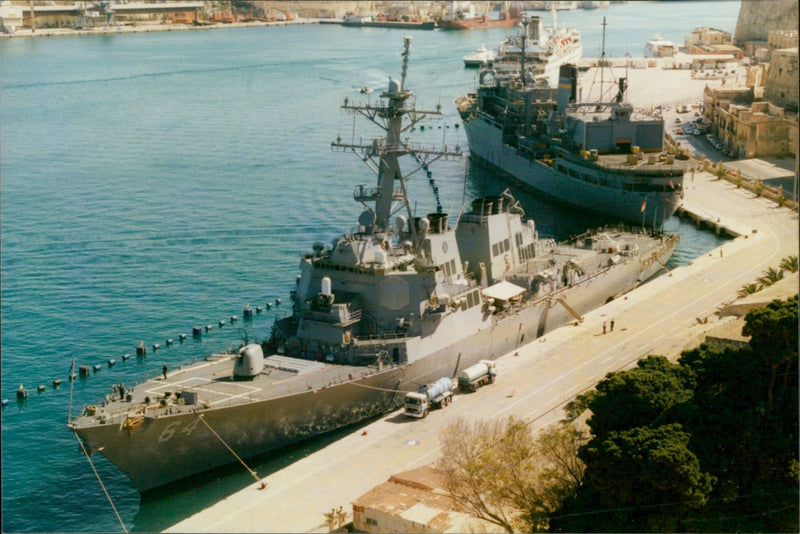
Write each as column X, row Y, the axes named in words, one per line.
column 166, row 447
column 637, row 207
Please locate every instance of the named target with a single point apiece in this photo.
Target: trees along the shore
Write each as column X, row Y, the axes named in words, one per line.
column 709, row 444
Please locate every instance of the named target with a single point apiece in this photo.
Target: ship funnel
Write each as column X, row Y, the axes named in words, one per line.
column 567, row 86
column 438, row 222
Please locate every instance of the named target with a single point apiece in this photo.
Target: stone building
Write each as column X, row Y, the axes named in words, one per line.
column 414, row 501
column 782, row 86
column 750, row 129
column 706, row 40
column 780, row 39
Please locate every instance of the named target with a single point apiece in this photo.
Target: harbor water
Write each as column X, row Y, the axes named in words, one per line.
column 159, row 181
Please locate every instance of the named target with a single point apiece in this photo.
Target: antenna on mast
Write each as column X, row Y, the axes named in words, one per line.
column 602, row 60
column 406, row 49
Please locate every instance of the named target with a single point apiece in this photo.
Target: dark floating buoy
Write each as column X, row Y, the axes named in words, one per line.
column 141, row 350
column 22, row 393
column 269, row 305
column 258, row 309
column 247, row 312
column 56, row 382
column 196, row 331
column 456, row 125
column 111, row 362
column 40, row 388
column 209, row 327
column 181, row 337
column 168, row 341
column 72, row 377
column 233, row 318
column 156, row 346
column 5, row 403
column 84, row 370
column 222, row 322
column 97, row 367
column 278, row 302
column 125, row 357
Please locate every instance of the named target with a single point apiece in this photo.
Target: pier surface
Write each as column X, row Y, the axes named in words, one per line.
column 665, row 316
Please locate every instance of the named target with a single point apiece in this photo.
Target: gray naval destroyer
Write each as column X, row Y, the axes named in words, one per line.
column 400, row 302
column 603, row 156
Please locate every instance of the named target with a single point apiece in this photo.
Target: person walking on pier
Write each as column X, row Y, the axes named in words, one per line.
column 164, row 370
column 604, row 328
column 612, row 325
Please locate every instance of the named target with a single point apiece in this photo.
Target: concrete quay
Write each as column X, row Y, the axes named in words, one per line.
column 664, row 316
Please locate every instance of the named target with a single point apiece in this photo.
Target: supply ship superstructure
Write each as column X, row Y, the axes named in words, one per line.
column 401, row 301
column 602, row 156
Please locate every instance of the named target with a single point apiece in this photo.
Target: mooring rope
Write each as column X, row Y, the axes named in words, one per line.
column 431, row 181
column 101, row 483
column 251, row 471
column 374, row 387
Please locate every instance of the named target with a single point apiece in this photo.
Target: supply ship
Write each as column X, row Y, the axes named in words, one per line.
column 601, row 156
column 401, row 301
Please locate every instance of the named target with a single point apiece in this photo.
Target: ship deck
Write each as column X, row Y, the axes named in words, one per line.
column 210, row 384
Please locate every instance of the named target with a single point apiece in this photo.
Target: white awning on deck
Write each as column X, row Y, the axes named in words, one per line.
column 503, row 291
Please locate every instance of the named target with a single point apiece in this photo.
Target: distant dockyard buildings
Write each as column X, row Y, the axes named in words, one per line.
column 759, row 118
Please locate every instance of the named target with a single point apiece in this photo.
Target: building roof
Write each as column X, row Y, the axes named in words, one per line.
column 418, row 495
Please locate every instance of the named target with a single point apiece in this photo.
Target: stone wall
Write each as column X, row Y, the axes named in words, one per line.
column 757, row 17
column 782, row 86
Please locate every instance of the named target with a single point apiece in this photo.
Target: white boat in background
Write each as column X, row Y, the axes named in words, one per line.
column 546, row 49
column 658, row 47
column 479, row 58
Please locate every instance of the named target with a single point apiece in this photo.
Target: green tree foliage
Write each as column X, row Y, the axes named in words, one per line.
column 748, row 289
column 642, row 480
column 709, row 445
column 645, row 395
column 769, row 277
column 789, row 264
column 497, row 471
column 745, row 422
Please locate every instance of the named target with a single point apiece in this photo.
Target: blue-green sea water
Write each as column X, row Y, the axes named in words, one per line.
column 153, row 182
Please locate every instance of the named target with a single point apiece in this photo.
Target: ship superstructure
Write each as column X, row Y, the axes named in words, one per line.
column 603, row 156
column 400, row 301
column 546, row 48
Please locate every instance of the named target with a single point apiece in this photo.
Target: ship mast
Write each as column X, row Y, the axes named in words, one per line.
column 383, row 153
